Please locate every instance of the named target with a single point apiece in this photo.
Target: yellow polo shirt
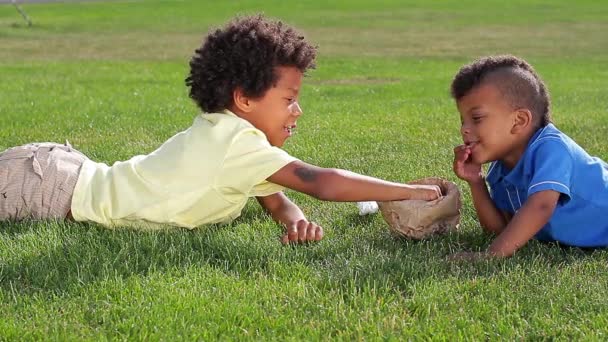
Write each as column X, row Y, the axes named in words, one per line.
column 204, row 174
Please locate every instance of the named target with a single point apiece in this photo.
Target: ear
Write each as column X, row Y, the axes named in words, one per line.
column 241, row 101
column 522, row 120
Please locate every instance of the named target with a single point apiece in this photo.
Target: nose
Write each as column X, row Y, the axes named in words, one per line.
column 295, row 109
column 465, row 129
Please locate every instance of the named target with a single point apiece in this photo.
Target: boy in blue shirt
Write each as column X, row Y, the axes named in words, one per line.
column 542, row 184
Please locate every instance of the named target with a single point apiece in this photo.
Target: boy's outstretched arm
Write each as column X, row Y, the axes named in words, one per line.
column 289, row 215
column 491, row 218
column 526, row 222
column 345, row 186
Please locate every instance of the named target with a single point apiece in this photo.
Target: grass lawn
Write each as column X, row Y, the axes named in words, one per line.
column 109, row 77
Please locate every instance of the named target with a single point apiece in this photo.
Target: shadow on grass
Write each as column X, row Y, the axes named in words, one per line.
column 382, row 260
column 58, row 257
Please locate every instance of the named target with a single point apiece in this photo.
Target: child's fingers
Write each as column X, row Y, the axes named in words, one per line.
column 458, row 149
column 291, row 234
column 319, row 233
column 427, row 192
column 438, row 193
column 461, row 153
column 311, row 231
column 314, row 232
column 302, row 230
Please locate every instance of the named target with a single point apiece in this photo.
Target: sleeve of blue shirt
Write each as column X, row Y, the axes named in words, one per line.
column 498, row 193
column 499, row 196
column 551, row 165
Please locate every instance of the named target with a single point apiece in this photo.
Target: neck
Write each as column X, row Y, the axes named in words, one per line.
column 513, row 157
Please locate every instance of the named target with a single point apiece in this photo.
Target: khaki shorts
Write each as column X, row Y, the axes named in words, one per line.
column 37, row 180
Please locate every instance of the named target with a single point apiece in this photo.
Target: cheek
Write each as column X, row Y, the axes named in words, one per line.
column 488, row 129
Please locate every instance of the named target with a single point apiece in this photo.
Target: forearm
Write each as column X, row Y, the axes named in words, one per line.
column 525, row 224
column 490, row 218
column 346, row 186
column 281, row 209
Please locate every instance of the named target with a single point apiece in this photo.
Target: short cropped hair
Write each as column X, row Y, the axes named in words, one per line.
column 244, row 54
column 516, row 80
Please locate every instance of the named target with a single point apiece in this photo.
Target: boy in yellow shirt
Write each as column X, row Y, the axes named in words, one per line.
column 246, row 78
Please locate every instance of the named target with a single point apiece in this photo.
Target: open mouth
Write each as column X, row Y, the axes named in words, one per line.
column 290, row 129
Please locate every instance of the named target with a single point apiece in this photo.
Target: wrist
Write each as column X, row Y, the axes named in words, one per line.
column 477, row 181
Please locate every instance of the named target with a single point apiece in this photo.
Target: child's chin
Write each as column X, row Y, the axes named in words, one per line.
column 479, row 160
column 278, row 143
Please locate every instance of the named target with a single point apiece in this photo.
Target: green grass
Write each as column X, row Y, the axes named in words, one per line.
column 109, row 77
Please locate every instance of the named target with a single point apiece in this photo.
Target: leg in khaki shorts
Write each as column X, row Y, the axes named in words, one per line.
column 37, row 181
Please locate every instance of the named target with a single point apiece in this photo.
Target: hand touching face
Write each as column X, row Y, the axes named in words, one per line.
column 464, row 166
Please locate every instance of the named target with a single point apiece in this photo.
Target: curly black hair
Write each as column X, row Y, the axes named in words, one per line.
column 515, row 79
column 244, row 54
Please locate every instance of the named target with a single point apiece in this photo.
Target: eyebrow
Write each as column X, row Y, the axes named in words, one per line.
column 474, row 109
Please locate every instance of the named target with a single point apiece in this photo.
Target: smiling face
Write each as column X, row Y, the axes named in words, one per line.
column 491, row 127
column 277, row 111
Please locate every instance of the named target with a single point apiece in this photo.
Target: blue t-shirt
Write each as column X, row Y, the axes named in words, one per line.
column 553, row 161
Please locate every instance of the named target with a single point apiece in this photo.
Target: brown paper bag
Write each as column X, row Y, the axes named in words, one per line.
column 417, row 219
